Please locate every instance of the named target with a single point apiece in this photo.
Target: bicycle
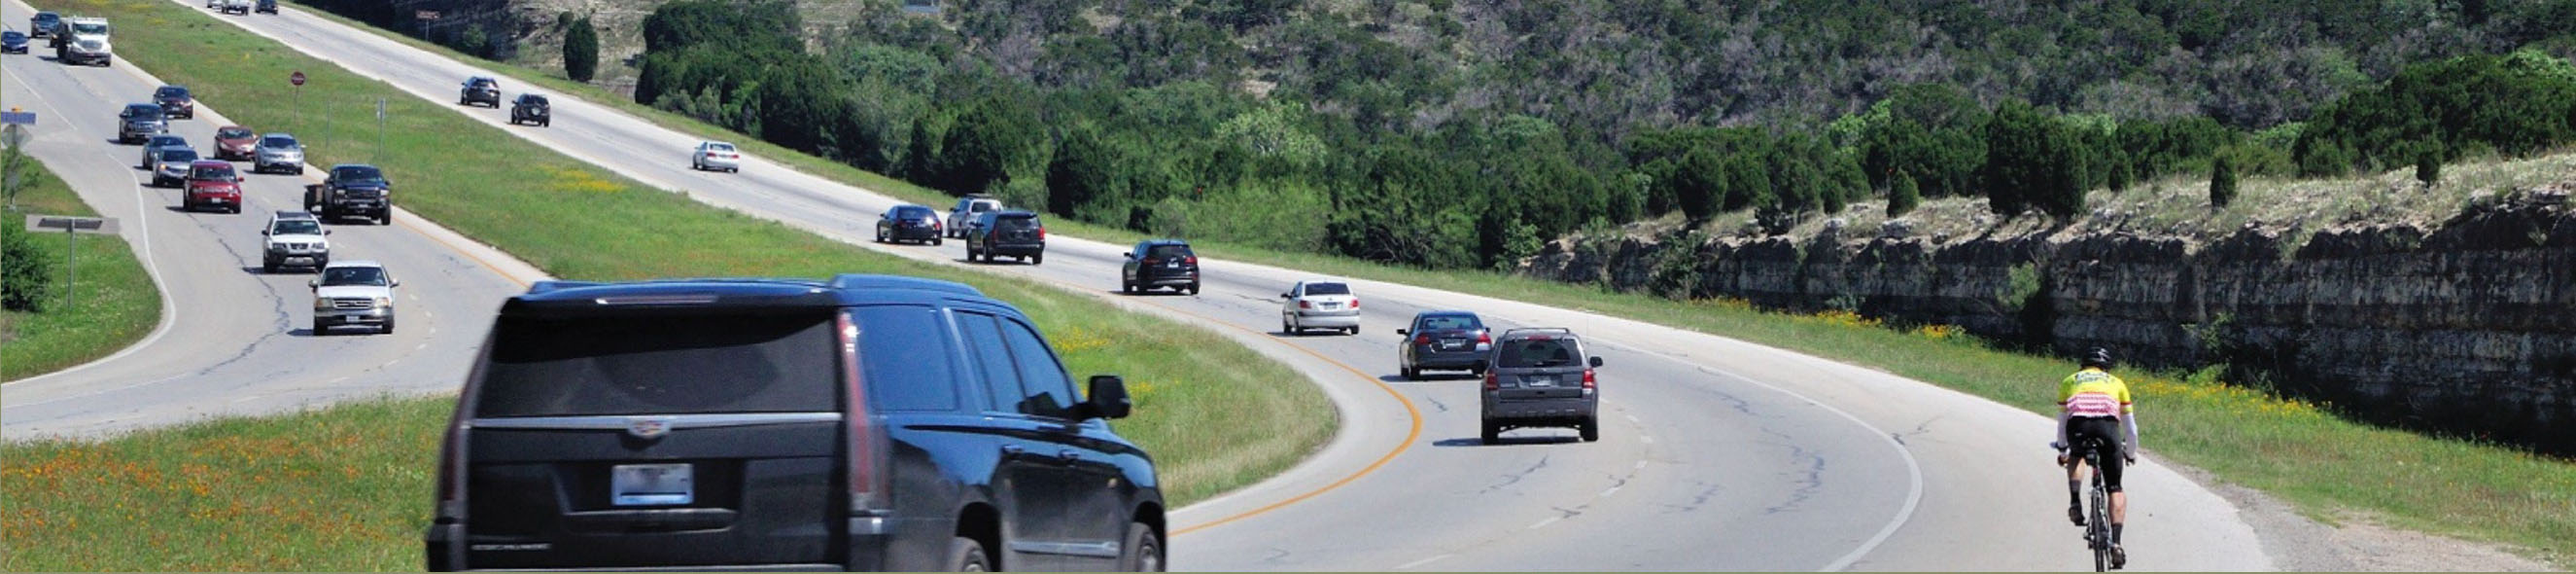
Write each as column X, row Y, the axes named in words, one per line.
column 2097, row 526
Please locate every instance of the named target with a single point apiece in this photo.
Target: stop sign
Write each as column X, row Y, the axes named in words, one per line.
column 297, row 79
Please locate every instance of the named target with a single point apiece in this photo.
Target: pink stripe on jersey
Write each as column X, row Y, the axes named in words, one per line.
column 2093, row 405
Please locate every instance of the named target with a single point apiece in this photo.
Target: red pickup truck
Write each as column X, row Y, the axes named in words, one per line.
column 213, row 184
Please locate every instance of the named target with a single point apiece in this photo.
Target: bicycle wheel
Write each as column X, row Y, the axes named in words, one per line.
column 2098, row 530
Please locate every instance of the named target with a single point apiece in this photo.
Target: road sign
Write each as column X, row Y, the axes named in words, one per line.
column 17, row 118
column 13, row 135
column 92, row 225
column 297, row 79
column 380, row 108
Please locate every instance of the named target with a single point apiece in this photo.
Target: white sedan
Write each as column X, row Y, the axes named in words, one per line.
column 1319, row 304
column 715, row 155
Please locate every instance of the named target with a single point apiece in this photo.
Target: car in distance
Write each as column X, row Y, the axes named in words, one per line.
column 908, row 223
column 13, row 42
column 356, row 293
column 139, row 121
column 531, row 108
column 43, row 24
column 1444, row 340
column 968, row 208
column 479, row 90
column 1541, row 378
column 82, row 40
column 170, row 165
column 235, row 143
column 864, row 422
column 241, row 7
column 265, row 7
column 715, row 155
column 294, row 238
column 1319, row 304
column 175, row 102
column 154, row 144
column 1159, row 263
column 1010, row 233
column 278, row 152
column 352, row 189
column 212, row 184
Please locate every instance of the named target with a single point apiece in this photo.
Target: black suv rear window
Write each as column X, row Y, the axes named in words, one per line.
column 1162, row 251
column 660, row 365
column 1015, row 222
column 1533, row 353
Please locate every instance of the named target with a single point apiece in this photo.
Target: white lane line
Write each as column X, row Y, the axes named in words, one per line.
column 1632, row 418
column 390, row 364
column 1544, row 523
column 337, row 381
column 247, row 399
column 422, row 346
column 1641, row 464
column 1606, row 492
column 1410, row 565
column 1647, row 438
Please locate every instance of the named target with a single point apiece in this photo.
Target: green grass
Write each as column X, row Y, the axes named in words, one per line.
column 574, row 221
column 113, row 303
column 2327, row 466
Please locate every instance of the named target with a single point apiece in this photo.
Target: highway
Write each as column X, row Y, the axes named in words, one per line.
column 1716, row 454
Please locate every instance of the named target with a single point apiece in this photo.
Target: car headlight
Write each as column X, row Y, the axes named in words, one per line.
column 384, row 301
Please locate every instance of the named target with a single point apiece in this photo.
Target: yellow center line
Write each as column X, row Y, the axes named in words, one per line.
column 1415, row 433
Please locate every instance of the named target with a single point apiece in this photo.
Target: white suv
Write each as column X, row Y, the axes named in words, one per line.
column 353, row 294
column 295, row 238
column 967, row 209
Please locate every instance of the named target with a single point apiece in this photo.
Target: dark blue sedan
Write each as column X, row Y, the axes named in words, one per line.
column 13, row 42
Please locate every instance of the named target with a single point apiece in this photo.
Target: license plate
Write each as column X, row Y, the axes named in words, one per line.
column 1332, row 305
column 651, row 484
column 350, row 319
column 1539, row 381
column 1174, row 265
column 1452, row 344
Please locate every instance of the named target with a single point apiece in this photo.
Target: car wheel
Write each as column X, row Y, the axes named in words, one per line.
column 269, row 267
column 1591, row 430
column 881, row 236
column 1411, row 374
column 937, row 241
column 1194, row 288
column 389, row 326
column 1038, row 259
column 967, row 555
column 1147, row 555
column 1125, row 287
column 1493, row 433
column 318, row 330
column 1284, row 327
column 386, row 218
column 548, row 123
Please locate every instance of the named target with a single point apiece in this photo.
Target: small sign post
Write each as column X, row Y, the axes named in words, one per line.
column 13, row 135
column 72, row 228
column 297, row 78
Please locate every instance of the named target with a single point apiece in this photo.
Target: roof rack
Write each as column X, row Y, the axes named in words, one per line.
column 554, row 285
column 1509, row 332
column 866, row 281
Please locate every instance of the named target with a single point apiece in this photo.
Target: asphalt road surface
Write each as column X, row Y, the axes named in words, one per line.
column 1715, row 454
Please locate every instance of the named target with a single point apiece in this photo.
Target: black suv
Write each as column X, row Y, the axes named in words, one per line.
column 175, row 102
column 867, row 422
column 531, row 108
column 1541, row 378
column 1159, row 263
column 352, row 189
column 479, row 89
column 1445, row 340
column 1012, row 233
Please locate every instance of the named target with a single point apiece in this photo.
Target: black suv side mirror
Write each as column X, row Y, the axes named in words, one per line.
column 1108, row 398
column 1404, row 331
column 1596, row 362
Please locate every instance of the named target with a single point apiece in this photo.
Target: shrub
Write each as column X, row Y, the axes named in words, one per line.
column 2222, row 181
column 26, row 274
column 1902, row 196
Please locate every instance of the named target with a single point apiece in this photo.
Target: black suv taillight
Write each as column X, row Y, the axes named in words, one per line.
column 868, row 474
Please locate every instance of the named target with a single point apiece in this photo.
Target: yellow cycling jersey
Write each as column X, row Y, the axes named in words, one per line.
column 2093, row 393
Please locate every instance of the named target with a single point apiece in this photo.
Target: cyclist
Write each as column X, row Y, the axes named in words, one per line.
column 2092, row 403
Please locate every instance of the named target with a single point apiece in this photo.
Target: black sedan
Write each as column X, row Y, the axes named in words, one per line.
column 909, row 223
column 13, row 42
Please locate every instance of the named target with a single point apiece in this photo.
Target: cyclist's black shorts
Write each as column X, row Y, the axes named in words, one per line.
column 2105, row 431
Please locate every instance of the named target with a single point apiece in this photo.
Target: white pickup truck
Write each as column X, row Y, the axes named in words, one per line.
column 353, row 294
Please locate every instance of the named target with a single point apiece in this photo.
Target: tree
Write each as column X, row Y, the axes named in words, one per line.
column 2222, row 181
column 581, row 50
column 993, row 138
column 2032, row 162
column 1902, row 197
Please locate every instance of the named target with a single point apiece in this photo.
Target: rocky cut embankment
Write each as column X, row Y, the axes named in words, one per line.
column 2467, row 326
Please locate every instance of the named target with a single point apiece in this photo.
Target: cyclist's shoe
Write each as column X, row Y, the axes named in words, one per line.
column 2119, row 557
column 2075, row 513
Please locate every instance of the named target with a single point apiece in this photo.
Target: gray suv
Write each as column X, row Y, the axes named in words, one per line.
column 866, row 422
column 139, row 122
column 1541, row 378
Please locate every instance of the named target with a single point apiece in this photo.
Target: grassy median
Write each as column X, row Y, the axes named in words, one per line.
column 111, row 301
column 348, row 488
